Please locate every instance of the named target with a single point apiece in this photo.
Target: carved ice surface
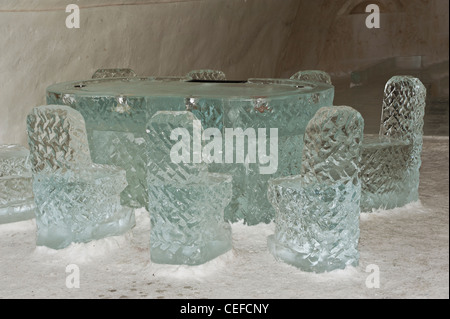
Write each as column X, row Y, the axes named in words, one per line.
column 186, row 202
column 80, row 205
column 208, row 75
column 317, row 212
column 14, row 161
column 113, row 73
column 391, row 162
column 312, row 76
column 56, row 137
column 76, row 200
column 16, row 193
column 125, row 150
column 384, row 176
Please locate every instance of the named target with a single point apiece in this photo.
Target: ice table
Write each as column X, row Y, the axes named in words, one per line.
column 116, row 112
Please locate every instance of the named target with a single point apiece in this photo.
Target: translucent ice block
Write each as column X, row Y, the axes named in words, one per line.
column 14, row 161
column 16, row 194
column 56, row 137
column 317, row 225
column 76, row 200
column 186, row 202
column 391, row 162
column 317, row 212
column 208, row 75
column 128, row 151
column 384, row 176
column 312, row 76
column 187, row 225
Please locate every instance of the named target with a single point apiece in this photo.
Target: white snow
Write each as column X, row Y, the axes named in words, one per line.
column 410, row 245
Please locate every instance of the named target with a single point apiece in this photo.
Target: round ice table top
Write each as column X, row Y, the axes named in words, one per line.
column 142, row 87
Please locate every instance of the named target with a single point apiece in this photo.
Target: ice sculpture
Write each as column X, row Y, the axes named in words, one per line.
column 312, row 76
column 16, row 193
column 207, row 75
column 116, row 112
column 391, row 161
column 113, row 73
column 76, row 200
column 317, row 212
column 186, row 202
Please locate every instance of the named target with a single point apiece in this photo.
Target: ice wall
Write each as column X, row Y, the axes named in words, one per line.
column 332, row 35
column 153, row 37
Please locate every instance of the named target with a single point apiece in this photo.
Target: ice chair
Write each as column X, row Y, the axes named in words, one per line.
column 312, row 76
column 207, row 75
column 186, row 202
column 16, row 193
column 391, row 161
column 76, row 200
column 317, row 212
column 113, row 73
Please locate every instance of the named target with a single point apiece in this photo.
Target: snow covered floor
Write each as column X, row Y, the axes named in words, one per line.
column 410, row 246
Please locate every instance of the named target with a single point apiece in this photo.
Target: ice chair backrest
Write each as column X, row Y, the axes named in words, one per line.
column 331, row 151
column 207, row 75
column 403, row 110
column 56, row 137
column 173, row 154
column 113, row 73
column 312, row 76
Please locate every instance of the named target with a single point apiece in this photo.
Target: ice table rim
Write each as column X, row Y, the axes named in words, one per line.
column 77, row 88
column 298, row 182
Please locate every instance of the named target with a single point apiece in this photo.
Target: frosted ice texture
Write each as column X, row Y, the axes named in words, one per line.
column 77, row 201
column 208, row 75
column 16, row 193
column 186, row 203
column 391, row 162
column 317, row 219
column 14, row 161
column 113, row 73
column 57, row 138
column 312, row 76
column 125, row 150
